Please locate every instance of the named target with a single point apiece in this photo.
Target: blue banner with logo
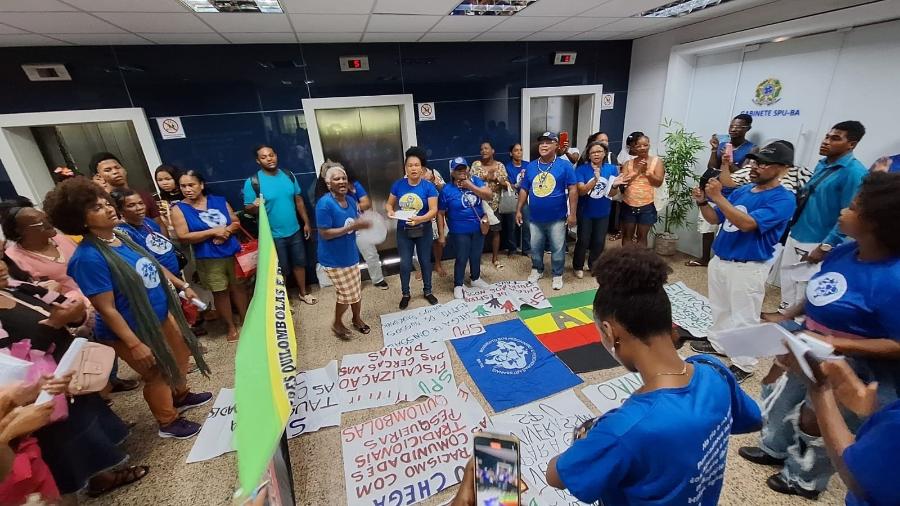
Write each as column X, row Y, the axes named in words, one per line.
column 511, row 367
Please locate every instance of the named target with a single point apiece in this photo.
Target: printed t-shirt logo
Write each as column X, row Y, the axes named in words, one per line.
column 599, row 189
column 544, row 184
column 148, row 272
column 507, row 355
column 411, row 202
column 157, row 244
column 469, row 199
column 826, row 288
column 728, row 226
column 213, row 218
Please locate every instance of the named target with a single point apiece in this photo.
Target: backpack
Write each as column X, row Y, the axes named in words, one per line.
column 254, row 179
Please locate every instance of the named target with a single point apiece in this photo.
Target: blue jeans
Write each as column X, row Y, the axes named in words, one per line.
column 516, row 237
column 468, row 249
column 291, row 253
column 553, row 235
column 405, row 247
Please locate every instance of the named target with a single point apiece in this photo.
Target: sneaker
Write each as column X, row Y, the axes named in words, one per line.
column 777, row 483
column 579, row 274
column 179, row 429
column 457, row 292
column 479, row 283
column 535, row 275
column 739, row 374
column 431, row 298
column 404, row 302
column 705, row 347
column 381, row 284
column 192, row 400
column 557, row 282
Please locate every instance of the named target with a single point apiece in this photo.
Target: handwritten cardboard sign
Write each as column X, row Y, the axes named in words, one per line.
column 392, row 375
column 544, row 429
column 690, row 310
column 318, row 401
column 407, row 455
column 505, row 297
column 216, row 436
column 476, row 417
column 611, row 394
column 428, row 324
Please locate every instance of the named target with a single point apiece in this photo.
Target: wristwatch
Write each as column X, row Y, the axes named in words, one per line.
column 825, row 247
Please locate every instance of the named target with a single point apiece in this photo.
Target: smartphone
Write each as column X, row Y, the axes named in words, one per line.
column 724, row 138
column 791, row 326
column 729, row 151
column 563, row 138
column 497, row 470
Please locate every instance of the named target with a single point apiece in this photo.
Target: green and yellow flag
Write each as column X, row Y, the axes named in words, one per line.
column 265, row 367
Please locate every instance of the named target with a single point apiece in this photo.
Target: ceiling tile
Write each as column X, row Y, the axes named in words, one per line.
column 8, row 29
column 551, row 36
column 558, row 8
column 466, row 23
column 33, row 6
column 58, row 22
column 261, row 38
column 437, row 7
column 329, row 37
column 392, row 37
column 493, row 36
column 185, row 38
column 624, row 8
column 625, row 24
column 129, row 5
column 580, row 23
column 28, row 39
column 247, row 22
column 447, row 37
column 325, row 23
column 101, row 39
column 400, row 23
column 533, row 23
column 328, row 6
column 601, row 35
column 157, row 23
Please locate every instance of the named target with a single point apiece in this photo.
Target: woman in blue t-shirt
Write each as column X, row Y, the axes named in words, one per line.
column 144, row 231
column 337, row 219
column 418, row 197
column 596, row 185
column 852, row 303
column 138, row 313
column 208, row 222
column 460, row 207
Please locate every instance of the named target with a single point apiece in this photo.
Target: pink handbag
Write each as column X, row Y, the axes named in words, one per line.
column 92, row 366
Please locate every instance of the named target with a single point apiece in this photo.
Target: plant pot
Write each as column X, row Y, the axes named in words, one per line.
column 666, row 244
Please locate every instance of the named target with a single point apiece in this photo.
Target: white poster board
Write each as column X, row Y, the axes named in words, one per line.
column 217, row 435
column 611, row 394
column 504, row 297
column 428, row 324
column 318, row 402
column 690, row 310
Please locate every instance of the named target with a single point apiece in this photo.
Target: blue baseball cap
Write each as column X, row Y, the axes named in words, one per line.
column 550, row 136
column 458, row 162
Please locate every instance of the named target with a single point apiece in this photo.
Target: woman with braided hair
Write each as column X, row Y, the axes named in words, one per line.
column 138, row 312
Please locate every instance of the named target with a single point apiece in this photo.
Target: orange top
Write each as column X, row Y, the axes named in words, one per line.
column 639, row 191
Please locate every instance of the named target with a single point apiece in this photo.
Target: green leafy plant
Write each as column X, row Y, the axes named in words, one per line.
column 682, row 148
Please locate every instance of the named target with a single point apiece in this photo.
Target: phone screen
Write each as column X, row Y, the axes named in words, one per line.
column 496, row 471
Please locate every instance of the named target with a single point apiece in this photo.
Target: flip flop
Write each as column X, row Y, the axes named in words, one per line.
column 694, row 263
column 123, row 477
column 498, row 266
column 308, row 299
column 362, row 329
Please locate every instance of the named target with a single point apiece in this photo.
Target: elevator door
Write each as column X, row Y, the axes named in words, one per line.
column 553, row 114
column 368, row 141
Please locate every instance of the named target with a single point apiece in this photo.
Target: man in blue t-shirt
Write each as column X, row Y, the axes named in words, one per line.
column 549, row 188
column 753, row 219
column 283, row 200
column 814, row 232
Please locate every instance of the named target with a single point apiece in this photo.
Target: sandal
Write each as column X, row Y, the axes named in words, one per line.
column 614, row 237
column 343, row 335
column 122, row 477
column 308, row 299
column 694, row 263
column 362, row 329
column 499, row 266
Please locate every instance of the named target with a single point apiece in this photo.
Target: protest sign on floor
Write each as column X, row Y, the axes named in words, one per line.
column 504, row 297
column 611, row 394
column 392, row 375
column 428, row 324
column 216, row 436
column 690, row 310
column 318, row 401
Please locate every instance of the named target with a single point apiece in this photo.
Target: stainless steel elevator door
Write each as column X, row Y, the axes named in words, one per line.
column 553, row 114
column 369, row 142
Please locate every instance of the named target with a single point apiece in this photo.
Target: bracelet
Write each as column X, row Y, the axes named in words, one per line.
column 701, row 204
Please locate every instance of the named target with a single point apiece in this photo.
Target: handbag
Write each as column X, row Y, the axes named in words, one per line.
column 91, row 368
column 246, row 259
column 509, row 201
column 482, row 222
column 415, row 231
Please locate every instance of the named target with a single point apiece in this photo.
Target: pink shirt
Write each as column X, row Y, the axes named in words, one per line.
column 43, row 267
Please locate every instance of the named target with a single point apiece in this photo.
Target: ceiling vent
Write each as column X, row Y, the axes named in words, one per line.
column 46, row 72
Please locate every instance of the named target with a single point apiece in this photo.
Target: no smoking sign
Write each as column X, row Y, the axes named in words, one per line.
column 170, row 128
column 426, row 111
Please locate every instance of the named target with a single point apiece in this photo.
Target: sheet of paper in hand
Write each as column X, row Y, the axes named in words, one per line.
column 428, row 324
column 544, row 429
column 318, row 401
column 408, row 455
column 392, row 375
column 504, row 297
column 690, row 310
column 216, row 436
column 612, row 393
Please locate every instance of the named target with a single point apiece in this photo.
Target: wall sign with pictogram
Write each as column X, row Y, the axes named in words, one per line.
column 170, row 128
column 426, row 111
column 607, row 101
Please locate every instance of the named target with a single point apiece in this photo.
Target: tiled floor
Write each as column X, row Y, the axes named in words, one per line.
column 318, row 469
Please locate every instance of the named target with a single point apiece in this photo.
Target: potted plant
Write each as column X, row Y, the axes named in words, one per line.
column 681, row 148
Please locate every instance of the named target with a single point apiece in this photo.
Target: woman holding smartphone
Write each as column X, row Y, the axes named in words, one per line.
column 641, row 175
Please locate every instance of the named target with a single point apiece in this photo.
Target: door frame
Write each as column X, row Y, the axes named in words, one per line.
column 19, row 149
column 557, row 91
column 311, row 105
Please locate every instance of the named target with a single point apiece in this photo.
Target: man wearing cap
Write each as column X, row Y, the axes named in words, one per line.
column 544, row 188
column 753, row 219
column 459, row 206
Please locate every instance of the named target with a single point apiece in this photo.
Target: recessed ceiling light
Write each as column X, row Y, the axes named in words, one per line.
column 251, row 6
column 490, row 7
column 780, row 39
column 680, row 8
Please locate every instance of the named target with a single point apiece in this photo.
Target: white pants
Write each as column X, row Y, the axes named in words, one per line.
column 736, row 292
column 793, row 280
column 373, row 261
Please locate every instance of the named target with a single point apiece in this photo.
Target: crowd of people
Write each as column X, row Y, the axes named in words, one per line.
column 101, row 260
